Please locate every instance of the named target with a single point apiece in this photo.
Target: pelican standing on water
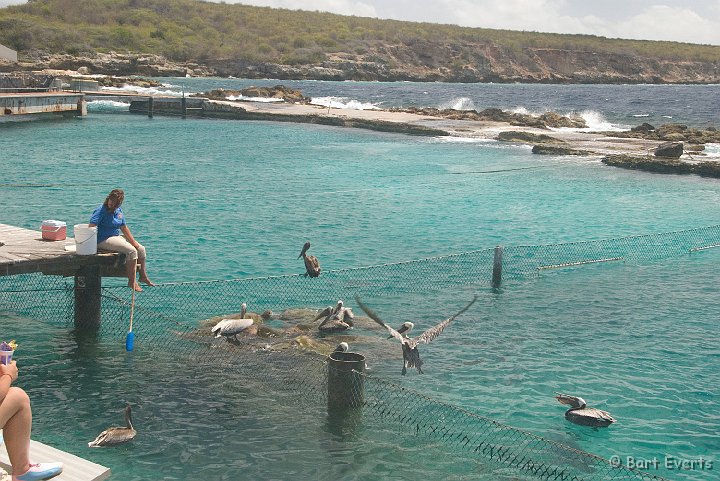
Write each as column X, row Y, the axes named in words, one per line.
column 312, row 265
column 232, row 327
column 411, row 355
column 579, row 413
column 116, row 435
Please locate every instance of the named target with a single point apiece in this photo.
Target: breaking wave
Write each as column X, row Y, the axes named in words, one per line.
column 343, row 103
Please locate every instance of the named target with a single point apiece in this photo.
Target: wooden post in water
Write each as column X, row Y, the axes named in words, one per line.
column 151, row 101
column 497, row 267
column 183, row 102
column 87, row 297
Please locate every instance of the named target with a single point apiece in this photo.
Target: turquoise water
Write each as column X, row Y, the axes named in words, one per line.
column 222, row 200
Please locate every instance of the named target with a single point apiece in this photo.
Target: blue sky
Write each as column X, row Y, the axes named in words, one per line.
column 695, row 21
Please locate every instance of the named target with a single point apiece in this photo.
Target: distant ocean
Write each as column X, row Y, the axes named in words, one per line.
column 605, row 107
column 217, row 199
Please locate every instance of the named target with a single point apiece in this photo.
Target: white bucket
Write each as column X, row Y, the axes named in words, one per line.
column 85, row 239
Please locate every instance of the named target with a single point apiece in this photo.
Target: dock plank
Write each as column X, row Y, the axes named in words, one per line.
column 75, row 468
column 24, row 251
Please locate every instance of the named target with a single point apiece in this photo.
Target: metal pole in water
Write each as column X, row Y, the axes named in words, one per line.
column 497, row 267
column 346, row 381
column 151, row 101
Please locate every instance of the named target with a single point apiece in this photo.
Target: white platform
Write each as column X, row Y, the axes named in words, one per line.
column 74, row 468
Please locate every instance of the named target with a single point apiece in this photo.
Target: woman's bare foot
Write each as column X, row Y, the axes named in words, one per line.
column 146, row 280
column 136, row 286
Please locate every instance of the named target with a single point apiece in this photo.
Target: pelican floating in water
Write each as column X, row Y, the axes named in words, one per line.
column 579, row 413
column 411, row 355
column 312, row 265
column 116, row 435
column 232, row 327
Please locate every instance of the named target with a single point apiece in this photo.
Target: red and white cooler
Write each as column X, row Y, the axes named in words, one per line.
column 54, row 230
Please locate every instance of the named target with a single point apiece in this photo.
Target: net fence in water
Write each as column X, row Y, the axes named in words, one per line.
column 177, row 317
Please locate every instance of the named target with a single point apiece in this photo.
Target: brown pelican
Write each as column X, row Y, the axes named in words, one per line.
column 338, row 318
column 312, row 265
column 406, row 327
column 116, row 435
column 579, row 413
column 411, row 355
column 232, row 327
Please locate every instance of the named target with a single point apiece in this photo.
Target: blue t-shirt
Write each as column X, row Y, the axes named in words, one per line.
column 108, row 223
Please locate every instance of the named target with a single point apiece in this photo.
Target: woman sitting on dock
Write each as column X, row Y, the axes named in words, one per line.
column 110, row 222
column 16, row 423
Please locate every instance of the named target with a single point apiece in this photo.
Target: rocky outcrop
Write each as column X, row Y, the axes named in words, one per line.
column 527, row 138
column 543, row 149
column 670, row 133
column 544, row 121
column 277, row 92
column 669, row 150
column 663, row 166
column 112, row 64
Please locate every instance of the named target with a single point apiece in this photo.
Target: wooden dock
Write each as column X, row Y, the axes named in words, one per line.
column 24, row 251
column 74, row 468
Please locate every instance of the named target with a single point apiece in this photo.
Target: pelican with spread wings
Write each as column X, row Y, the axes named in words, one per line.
column 411, row 355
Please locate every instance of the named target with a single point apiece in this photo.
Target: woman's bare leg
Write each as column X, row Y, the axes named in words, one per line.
column 130, row 268
column 16, row 419
column 143, row 273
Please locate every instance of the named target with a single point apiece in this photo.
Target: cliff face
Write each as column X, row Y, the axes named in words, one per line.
column 491, row 64
column 425, row 63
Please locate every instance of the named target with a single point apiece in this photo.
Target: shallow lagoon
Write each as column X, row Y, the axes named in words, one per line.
column 238, row 199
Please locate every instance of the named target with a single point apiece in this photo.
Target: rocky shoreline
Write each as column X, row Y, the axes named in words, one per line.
column 577, row 67
column 645, row 147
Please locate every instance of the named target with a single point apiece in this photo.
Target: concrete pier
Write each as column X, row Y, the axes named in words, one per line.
column 28, row 105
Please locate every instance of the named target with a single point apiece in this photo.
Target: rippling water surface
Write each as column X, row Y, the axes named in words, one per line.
column 221, row 199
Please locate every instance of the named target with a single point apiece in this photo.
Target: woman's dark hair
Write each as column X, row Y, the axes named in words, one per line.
column 116, row 194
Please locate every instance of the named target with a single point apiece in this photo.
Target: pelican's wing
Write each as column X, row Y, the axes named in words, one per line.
column 371, row 314
column 435, row 331
column 324, row 313
column 217, row 328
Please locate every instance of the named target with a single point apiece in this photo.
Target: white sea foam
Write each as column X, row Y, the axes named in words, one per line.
column 107, row 106
column 462, row 103
column 523, row 111
column 143, row 90
column 712, row 152
column 641, row 115
column 342, row 103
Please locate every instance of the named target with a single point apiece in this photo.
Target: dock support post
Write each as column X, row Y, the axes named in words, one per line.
column 183, row 106
column 497, row 267
column 151, row 100
column 81, row 108
column 87, row 297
